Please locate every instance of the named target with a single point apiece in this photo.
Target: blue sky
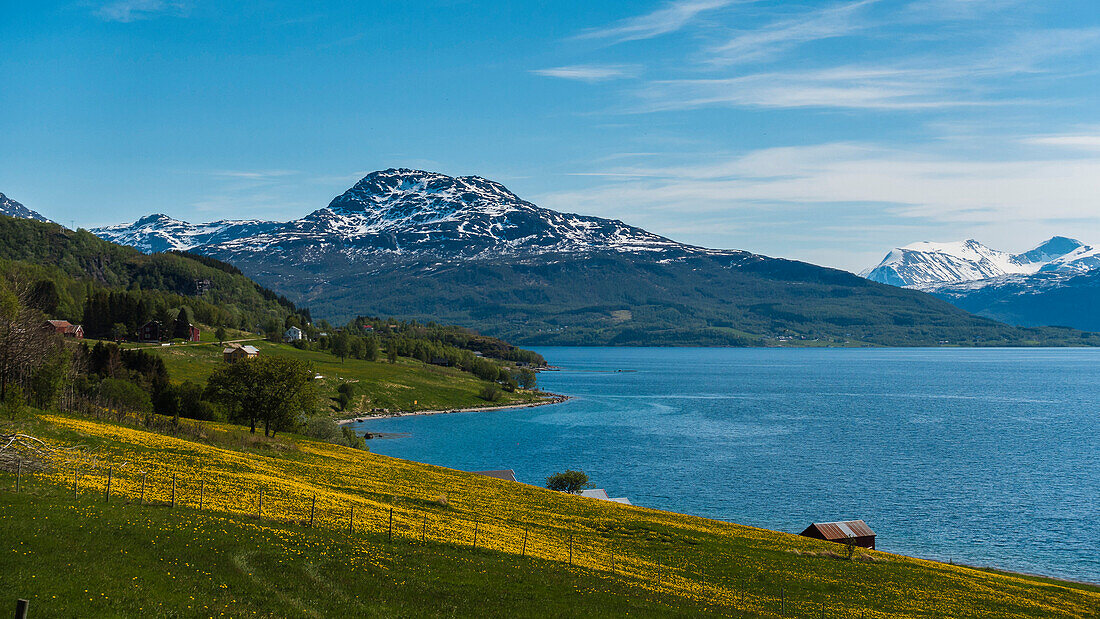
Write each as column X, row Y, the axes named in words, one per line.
column 823, row 131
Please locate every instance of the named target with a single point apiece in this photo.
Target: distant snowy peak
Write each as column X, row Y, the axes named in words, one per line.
column 403, row 213
column 158, row 232
column 927, row 264
column 11, row 208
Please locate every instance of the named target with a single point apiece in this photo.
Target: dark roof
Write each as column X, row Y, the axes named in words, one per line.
column 505, row 474
column 841, row 530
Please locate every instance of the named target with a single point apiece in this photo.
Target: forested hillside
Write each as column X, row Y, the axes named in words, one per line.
column 81, row 278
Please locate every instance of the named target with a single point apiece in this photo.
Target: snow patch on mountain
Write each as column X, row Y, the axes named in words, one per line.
column 11, row 208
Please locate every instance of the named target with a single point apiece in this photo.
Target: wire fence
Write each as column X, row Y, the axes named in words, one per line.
column 659, row 564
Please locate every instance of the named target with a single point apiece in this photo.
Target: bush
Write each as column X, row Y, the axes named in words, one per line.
column 490, row 392
column 570, row 481
column 14, row 403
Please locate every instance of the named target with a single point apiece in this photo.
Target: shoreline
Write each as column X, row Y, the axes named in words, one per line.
column 552, row 398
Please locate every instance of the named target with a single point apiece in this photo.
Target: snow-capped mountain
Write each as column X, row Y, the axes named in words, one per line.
column 401, row 213
column 156, row 233
column 1056, row 283
column 11, row 208
column 926, row 265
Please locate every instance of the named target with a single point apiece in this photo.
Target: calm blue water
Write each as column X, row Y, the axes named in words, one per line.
column 987, row 457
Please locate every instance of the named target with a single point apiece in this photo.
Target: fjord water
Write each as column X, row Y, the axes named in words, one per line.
column 987, row 457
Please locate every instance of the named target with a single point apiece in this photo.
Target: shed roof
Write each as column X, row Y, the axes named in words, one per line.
column 60, row 323
column 505, row 474
column 596, row 493
column 842, row 530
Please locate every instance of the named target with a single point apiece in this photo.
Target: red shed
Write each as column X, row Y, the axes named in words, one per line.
column 855, row 530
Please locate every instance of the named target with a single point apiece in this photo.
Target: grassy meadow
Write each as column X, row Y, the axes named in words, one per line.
column 403, row 386
column 398, row 538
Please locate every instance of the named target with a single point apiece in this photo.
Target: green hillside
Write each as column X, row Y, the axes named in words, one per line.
column 406, row 385
column 99, row 283
column 186, row 533
column 611, row 299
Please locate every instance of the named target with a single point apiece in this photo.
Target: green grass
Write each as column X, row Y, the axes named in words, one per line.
column 405, row 385
column 86, row 558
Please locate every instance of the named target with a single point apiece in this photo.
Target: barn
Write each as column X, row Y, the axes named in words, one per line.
column 855, row 530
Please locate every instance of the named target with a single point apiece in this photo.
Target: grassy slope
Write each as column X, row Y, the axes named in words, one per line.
column 132, row 557
column 406, row 385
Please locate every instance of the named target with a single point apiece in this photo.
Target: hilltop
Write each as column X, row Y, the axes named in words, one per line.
column 467, row 250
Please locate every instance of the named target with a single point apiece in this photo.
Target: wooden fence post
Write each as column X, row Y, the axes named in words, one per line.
column 703, row 580
column 110, row 475
column 659, row 566
column 76, row 478
column 312, row 510
column 612, row 559
column 525, row 528
column 144, row 477
column 423, row 527
column 21, row 608
column 173, row 489
column 782, row 601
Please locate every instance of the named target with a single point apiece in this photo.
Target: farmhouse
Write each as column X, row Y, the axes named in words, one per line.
column 151, row 331
column 293, row 334
column 855, row 530
column 66, row 328
column 233, row 354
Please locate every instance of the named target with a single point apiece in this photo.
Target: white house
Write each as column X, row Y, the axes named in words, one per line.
column 601, row 494
column 293, row 334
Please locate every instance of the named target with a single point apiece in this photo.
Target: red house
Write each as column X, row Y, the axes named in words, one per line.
column 194, row 333
column 66, row 328
column 855, row 531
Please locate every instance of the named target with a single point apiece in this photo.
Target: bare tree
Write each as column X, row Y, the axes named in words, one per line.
column 25, row 340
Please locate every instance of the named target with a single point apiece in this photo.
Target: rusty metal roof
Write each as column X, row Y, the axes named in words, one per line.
column 843, row 530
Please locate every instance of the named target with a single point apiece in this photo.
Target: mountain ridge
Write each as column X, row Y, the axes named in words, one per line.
column 925, row 265
column 466, row 250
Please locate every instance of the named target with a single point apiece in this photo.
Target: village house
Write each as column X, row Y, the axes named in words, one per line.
column 66, row 328
column 293, row 334
column 151, row 331
column 193, row 333
column 601, row 494
column 235, row 352
column 855, row 531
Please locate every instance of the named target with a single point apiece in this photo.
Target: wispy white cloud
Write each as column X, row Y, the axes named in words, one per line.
column 669, row 18
column 880, row 88
column 1081, row 142
column 911, row 183
column 768, row 41
column 134, row 10
column 591, row 72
